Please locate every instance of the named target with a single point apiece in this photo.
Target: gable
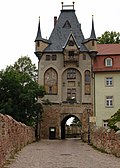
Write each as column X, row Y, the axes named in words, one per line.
column 71, row 42
column 66, row 22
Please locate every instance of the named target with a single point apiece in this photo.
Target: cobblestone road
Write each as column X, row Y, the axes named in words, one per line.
column 63, row 154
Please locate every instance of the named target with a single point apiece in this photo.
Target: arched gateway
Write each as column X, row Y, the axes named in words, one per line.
column 55, row 117
column 65, row 64
column 63, row 125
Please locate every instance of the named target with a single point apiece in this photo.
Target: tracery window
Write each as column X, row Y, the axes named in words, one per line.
column 51, row 81
column 87, row 82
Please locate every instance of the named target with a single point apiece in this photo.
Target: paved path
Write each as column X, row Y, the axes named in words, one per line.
column 63, row 154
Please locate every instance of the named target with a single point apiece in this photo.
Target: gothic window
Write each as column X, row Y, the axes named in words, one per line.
column 51, row 81
column 71, row 73
column 67, row 25
column 87, row 83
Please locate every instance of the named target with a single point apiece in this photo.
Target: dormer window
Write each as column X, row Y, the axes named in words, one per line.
column 67, row 25
column 108, row 62
column 71, row 53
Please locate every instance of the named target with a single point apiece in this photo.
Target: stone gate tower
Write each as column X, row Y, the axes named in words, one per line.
column 65, row 69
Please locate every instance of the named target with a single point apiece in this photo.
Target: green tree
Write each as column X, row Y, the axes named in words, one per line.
column 113, row 120
column 19, row 91
column 109, row 38
column 76, row 122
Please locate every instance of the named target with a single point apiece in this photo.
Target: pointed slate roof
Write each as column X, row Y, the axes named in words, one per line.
column 38, row 37
column 66, row 23
column 93, row 35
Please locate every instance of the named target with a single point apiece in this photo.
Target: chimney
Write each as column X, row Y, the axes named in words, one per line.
column 55, row 20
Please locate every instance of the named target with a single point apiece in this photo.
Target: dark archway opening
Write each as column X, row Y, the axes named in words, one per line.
column 73, row 130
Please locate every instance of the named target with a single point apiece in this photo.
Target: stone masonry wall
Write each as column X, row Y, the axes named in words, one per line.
column 106, row 140
column 13, row 136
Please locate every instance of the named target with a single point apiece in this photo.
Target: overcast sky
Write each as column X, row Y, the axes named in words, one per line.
column 19, row 22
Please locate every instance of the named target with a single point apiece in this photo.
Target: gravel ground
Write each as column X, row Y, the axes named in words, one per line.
column 63, row 154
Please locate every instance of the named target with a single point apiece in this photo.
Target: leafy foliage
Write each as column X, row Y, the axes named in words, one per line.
column 113, row 120
column 19, row 91
column 76, row 122
column 109, row 38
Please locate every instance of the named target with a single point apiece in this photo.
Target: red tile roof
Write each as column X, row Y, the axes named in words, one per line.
column 106, row 49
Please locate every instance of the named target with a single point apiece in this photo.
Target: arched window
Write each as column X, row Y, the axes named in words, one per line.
column 108, row 62
column 87, row 82
column 51, row 81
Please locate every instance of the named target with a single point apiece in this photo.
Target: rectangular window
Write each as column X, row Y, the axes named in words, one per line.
column 68, row 93
column 84, row 57
column 109, row 101
column 38, row 43
column 71, row 53
column 47, row 57
column 54, row 57
column 108, row 62
column 71, row 93
column 109, row 81
column 105, row 123
column 93, row 42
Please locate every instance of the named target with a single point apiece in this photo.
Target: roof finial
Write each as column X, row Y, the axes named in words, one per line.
column 73, row 4
column 38, row 37
column 62, row 4
column 67, row 6
column 93, row 35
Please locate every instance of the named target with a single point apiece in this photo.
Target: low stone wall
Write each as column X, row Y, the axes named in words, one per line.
column 13, row 136
column 106, row 140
